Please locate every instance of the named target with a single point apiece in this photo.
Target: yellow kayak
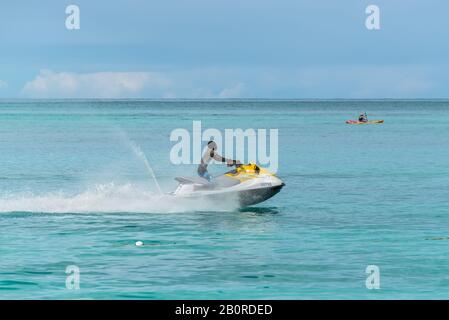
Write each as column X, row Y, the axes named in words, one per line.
column 366, row 122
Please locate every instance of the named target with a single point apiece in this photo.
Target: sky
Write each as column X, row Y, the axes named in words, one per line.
column 279, row 49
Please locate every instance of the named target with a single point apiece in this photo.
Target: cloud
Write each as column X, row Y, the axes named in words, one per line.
column 212, row 91
column 3, row 84
column 334, row 81
column 233, row 92
column 185, row 84
column 49, row 84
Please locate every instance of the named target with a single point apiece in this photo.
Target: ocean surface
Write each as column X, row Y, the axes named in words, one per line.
column 76, row 189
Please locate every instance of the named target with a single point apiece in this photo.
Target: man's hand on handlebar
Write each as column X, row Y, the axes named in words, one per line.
column 231, row 163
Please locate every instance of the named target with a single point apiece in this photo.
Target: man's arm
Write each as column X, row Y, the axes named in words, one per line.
column 230, row 162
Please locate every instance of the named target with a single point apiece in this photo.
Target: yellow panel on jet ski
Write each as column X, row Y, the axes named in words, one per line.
column 247, row 171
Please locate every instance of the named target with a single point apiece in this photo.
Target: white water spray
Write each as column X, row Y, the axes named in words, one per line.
column 108, row 198
column 139, row 153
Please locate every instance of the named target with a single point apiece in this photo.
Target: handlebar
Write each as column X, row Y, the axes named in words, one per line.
column 234, row 163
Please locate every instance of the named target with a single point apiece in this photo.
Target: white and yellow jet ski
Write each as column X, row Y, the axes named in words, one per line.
column 248, row 184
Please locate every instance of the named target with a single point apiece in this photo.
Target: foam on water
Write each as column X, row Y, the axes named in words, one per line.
column 109, row 198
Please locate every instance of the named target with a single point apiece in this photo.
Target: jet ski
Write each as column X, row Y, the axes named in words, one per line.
column 247, row 185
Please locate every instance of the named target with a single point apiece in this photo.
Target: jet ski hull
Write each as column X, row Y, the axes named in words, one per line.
column 252, row 197
column 243, row 198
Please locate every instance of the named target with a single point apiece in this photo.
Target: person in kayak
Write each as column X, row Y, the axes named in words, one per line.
column 207, row 158
column 363, row 117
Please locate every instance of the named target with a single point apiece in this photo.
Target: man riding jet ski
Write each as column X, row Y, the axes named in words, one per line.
column 208, row 156
column 246, row 184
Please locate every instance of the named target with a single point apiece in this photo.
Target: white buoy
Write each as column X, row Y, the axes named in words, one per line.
column 139, row 243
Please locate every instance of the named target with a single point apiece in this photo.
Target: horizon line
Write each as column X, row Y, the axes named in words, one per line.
column 223, row 99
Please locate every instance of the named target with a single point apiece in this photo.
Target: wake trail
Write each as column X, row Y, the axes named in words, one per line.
column 109, row 198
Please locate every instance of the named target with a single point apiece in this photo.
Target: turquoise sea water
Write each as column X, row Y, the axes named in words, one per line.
column 75, row 190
